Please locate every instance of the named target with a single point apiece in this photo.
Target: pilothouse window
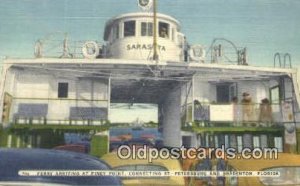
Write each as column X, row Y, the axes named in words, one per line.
column 146, row 29
column 116, row 32
column 163, row 29
column 129, row 28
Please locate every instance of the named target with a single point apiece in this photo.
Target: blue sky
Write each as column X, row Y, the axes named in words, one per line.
column 263, row 26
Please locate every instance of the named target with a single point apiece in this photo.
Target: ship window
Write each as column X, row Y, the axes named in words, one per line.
column 278, row 143
column 239, row 143
column 173, row 34
column 129, row 28
column 116, row 32
column 63, row 90
column 275, row 94
column 256, row 142
column 146, row 29
column 163, row 29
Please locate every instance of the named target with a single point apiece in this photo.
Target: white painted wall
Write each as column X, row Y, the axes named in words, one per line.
column 28, row 85
column 204, row 91
column 137, row 47
column 33, row 87
column 9, row 84
column 122, row 49
column 288, row 89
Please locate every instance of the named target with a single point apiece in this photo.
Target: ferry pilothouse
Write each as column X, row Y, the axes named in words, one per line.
column 144, row 58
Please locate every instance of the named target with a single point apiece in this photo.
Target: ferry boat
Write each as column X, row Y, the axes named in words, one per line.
column 145, row 58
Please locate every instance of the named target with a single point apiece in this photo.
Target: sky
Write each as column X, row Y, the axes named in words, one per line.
column 265, row 27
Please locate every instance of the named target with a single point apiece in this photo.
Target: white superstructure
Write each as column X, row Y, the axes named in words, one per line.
column 130, row 36
column 77, row 88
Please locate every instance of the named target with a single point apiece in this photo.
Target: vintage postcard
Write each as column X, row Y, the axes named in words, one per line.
column 149, row 92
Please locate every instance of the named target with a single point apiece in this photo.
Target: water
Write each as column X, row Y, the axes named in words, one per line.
column 136, row 133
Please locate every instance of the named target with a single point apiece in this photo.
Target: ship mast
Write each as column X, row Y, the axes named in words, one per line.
column 155, row 55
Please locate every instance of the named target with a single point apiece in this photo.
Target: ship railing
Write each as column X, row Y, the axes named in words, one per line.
column 238, row 115
column 47, row 111
column 68, row 49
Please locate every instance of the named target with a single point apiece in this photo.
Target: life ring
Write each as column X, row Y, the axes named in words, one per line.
column 145, row 4
column 90, row 49
column 197, row 53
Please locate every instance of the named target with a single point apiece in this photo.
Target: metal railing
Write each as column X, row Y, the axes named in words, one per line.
column 58, row 111
column 249, row 115
column 63, row 48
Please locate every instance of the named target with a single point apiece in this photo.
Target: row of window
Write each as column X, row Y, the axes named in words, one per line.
column 241, row 141
column 130, row 29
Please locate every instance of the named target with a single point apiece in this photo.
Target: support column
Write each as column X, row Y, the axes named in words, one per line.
column 108, row 98
column 171, row 119
column 296, row 80
column 193, row 105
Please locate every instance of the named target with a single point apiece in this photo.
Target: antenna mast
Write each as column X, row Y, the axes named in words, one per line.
column 146, row 5
column 155, row 55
